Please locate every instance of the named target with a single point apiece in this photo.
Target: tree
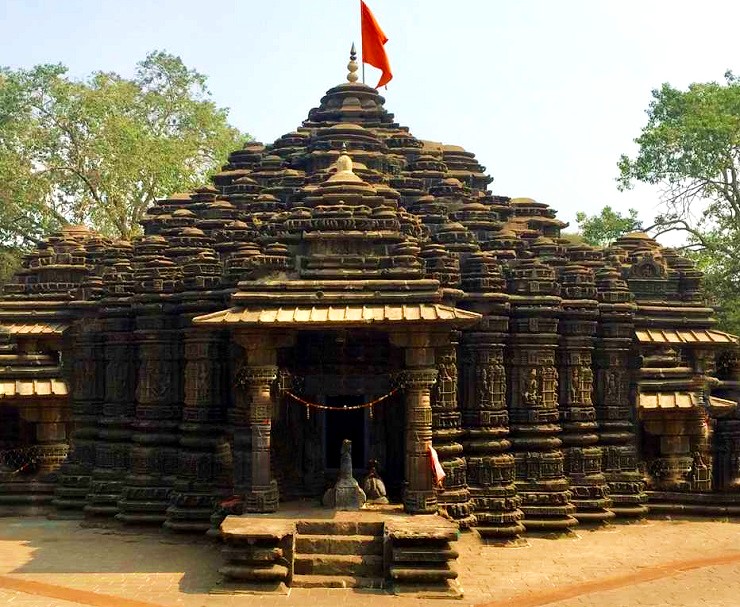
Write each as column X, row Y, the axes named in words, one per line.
column 691, row 148
column 603, row 229
column 10, row 262
column 100, row 151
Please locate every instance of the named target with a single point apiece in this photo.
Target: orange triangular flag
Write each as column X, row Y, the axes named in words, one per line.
column 373, row 40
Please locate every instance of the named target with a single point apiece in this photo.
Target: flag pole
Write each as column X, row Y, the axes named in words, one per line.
column 362, row 57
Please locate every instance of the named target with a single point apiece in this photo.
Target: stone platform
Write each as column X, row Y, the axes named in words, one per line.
column 306, row 546
column 677, row 503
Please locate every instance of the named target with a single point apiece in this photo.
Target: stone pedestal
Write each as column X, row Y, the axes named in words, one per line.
column 258, row 554
column 420, row 557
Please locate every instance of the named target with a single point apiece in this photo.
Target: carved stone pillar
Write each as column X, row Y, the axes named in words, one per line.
column 454, row 496
column 491, row 468
column 419, row 496
column 252, row 421
column 263, row 491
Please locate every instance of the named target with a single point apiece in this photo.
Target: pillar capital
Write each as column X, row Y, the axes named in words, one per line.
column 260, row 375
column 418, row 379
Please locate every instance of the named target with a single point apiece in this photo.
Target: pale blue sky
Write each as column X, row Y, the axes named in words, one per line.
column 547, row 94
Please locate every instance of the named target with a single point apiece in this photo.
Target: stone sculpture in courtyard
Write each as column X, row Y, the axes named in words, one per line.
column 346, row 493
column 373, row 485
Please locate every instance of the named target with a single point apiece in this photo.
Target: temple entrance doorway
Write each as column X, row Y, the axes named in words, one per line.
column 341, row 425
column 337, row 369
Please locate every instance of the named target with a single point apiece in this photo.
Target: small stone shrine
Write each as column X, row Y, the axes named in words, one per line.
column 346, row 493
column 353, row 282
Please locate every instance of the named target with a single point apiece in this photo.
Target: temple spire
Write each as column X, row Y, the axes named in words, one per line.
column 352, row 65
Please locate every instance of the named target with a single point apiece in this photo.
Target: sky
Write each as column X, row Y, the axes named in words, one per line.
column 547, row 94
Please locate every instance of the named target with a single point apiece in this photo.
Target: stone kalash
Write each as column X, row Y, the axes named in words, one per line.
column 348, row 263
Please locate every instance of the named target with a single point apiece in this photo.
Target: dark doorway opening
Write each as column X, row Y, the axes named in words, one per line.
column 10, row 428
column 341, row 425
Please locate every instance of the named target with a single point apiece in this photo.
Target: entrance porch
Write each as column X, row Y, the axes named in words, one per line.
column 334, row 356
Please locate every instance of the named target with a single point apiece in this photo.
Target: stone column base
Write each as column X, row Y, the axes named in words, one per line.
column 420, row 502
column 262, row 499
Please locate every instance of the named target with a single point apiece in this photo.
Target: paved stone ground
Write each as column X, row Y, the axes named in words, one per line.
column 654, row 564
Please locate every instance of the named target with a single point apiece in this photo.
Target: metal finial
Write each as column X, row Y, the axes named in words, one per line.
column 352, row 65
column 344, row 147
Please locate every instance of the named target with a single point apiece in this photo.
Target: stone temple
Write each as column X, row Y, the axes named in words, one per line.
column 351, row 281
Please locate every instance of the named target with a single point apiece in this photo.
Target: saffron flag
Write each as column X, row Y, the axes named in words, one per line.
column 373, row 40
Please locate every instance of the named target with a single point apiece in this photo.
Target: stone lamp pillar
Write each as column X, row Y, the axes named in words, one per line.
column 419, row 496
column 253, row 423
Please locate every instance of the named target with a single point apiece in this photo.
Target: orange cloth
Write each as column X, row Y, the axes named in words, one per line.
column 373, row 40
column 438, row 473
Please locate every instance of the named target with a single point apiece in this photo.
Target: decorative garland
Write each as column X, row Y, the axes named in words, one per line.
column 368, row 405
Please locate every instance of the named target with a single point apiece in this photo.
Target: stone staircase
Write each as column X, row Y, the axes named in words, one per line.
column 332, row 554
column 314, row 548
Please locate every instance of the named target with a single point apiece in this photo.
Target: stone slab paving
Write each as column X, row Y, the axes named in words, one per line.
column 65, row 564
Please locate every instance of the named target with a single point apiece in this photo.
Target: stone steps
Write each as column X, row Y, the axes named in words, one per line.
column 338, row 565
column 319, row 527
column 339, row 544
column 338, row 554
column 411, row 556
column 336, row 581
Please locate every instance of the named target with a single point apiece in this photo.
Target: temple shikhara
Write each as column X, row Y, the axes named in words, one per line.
column 352, row 282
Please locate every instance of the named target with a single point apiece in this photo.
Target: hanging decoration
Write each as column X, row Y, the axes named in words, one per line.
column 369, row 405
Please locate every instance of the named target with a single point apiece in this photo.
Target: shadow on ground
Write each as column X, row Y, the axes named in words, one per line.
column 68, row 547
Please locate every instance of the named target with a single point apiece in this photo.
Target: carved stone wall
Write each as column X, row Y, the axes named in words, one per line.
column 155, row 437
column 534, row 388
column 612, row 393
column 113, row 446
column 204, row 459
column 583, row 454
column 491, row 468
column 88, row 392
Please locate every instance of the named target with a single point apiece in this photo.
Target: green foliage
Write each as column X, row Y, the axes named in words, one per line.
column 604, row 228
column 100, row 151
column 573, row 237
column 10, row 263
column 722, row 286
column 691, row 147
